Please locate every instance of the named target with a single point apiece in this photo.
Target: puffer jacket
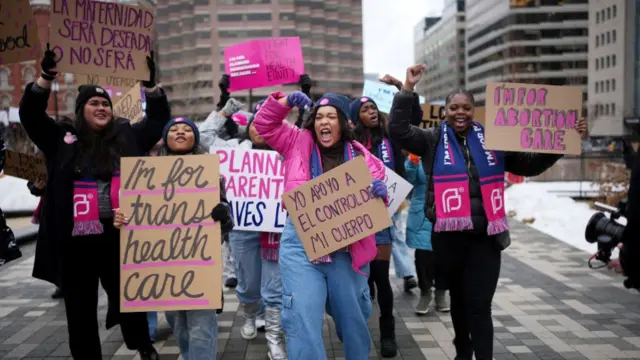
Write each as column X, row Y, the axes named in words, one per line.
column 295, row 146
column 418, row 226
column 213, row 134
column 424, row 142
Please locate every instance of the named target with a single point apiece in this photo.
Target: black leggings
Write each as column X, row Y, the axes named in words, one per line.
column 426, row 270
column 470, row 265
column 384, row 294
column 89, row 259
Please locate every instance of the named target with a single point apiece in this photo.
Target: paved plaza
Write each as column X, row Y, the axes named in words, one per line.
column 549, row 305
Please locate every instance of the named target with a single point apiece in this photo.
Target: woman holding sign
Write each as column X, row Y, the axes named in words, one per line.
column 371, row 132
column 79, row 243
column 196, row 331
column 465, row 203
column 339, row 280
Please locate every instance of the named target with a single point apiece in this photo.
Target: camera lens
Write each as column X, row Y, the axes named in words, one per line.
column 602, row 229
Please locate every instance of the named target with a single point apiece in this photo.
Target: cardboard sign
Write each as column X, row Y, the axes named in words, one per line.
column 170, row 253
column 117, row 87
column 398, row 189
column 19, row 39
column 533, row 118
column 433, row 114
column 23, row 166
column 130, row 106
column 336, row 209
column 100, row 38
column 254, row 181
column 264, row 62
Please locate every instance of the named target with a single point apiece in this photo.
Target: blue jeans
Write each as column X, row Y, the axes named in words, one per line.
column 152, row 319
column 400, row 251
column 258, row 279
column 308, row 289
column 196, row 332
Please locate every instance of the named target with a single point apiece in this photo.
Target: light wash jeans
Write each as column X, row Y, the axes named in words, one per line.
column 196, row 332
column 308, row 289
column 152, row 319
column 228, row 270
column 399, row 250
column 258, row 279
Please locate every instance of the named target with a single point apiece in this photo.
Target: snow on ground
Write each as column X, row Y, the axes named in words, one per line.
column 15, row 196
column 557, row 216
column 587, row 189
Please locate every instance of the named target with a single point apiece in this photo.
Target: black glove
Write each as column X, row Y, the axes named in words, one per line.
column 151, row 64
column 224, row 83
column 305, row 84
column 231, row 127
column 48, row 64
column 220, row 213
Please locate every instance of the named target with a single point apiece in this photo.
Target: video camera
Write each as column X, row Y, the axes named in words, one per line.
column 605, row 231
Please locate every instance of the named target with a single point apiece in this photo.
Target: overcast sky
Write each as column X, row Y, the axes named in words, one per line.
column 388, row 33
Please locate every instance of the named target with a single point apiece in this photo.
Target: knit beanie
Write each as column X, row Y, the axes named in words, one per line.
column 86, row 92
column 182, row 120
column 354, row 108
column 340, row 102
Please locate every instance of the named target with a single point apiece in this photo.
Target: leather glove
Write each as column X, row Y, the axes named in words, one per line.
column 223, row 84
column 299, row 99
column 305, row 84
column 151, row 64
column 220, row 213
column 232, row 106
column 379, row 188
column 48, row 64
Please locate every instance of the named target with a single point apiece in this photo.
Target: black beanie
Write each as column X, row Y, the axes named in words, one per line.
column 86, row 92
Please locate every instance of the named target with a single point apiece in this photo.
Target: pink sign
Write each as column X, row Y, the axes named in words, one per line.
column 264, row 62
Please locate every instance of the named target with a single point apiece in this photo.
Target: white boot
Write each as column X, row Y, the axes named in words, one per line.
column 250, row 312
column 274, row 334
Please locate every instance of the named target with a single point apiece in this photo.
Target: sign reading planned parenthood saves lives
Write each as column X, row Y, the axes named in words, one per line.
column 101, row 38
column 254, row 181
column 336, row 209
column 170, row 252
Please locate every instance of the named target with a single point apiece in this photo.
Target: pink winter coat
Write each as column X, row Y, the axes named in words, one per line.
column 295, row 146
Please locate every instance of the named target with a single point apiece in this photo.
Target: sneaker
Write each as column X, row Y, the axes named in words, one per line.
column 260, row 323
column 425, row 302
column 410, row 283
column 442, row 301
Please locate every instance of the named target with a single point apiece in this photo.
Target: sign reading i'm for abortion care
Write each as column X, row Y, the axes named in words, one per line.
column 100, row 38
column 263, row 62
column 533, row 118
column 336, row 209
column 130, row 105
column 254, row 182
column 19, row 39
column 170, row 253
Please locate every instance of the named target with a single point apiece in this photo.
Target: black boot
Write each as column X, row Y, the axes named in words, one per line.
column 388, row 347
column 148, row 353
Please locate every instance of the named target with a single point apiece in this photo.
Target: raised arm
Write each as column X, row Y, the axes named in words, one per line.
column 271, row 124
column 214, row 125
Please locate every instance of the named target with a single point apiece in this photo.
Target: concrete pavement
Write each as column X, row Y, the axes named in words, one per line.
column 549, row 305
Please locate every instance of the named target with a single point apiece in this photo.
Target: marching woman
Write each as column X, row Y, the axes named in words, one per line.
column 467, row 239
column 255, row 253
column 77, row 240
column 196, row 331
column 339, row 280
column 371, row 132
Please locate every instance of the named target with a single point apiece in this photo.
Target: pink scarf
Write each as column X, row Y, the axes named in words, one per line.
column 86, row 211
column 270, row 243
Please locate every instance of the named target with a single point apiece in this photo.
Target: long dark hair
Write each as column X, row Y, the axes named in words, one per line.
column 347, row 132
column 99, row 154
column 364, row 135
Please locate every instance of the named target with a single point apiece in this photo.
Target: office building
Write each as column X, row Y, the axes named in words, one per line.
column 527, row 41
column 439, row 43
column 613, row 69
column 192, row 37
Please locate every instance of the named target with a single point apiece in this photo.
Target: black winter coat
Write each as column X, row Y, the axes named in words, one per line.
column 56, row 222
column 423, row 142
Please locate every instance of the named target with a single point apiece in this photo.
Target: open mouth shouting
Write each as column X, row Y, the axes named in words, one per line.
column 326, row 136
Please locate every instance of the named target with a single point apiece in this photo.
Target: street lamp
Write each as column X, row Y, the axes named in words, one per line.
column 55, row 87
